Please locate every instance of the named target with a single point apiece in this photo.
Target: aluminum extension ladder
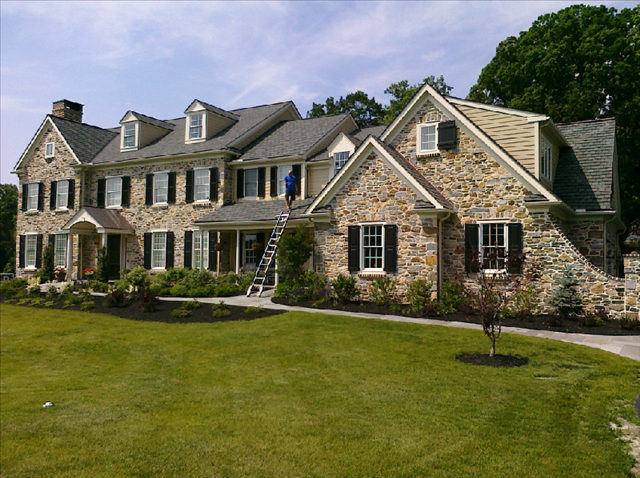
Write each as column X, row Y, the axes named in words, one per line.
column 269, row 255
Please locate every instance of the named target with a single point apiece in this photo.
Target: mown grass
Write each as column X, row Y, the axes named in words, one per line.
column 300, row 395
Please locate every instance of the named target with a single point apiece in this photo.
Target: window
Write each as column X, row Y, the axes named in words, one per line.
column 339, row 160
column 251, row 183
column 49, row 150
column 31, row 246
column 114, row 192
column 250, row 254
column 160, row 188
column 200, row 249
column 201, row 184
column 545, row 159
column 32, row 196
column 427, row 138
column 195, row 126
column 62, row 194
column 372, row 247
column 129, row 135
column 60, row 250
column 493, row 247
column 159, row 250
column 283, row 172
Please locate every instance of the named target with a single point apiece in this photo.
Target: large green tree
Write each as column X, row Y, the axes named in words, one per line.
column 8, row 216
column 402, row 92
column 366, row 111
column 582, row 62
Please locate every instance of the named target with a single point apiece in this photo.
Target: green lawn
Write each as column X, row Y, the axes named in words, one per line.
column 300, row 394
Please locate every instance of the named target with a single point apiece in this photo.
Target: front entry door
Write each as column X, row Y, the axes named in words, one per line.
column 113, row 256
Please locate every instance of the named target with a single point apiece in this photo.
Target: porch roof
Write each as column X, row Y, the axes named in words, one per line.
column 105, row 220
column 252, row 211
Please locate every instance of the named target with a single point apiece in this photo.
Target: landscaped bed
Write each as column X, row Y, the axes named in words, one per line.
column 300, row 394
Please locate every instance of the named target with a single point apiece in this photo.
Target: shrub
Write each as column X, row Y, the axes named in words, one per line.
column 566, row 300
column 419, row 296
column 116, row 298
column 244, row 280
column 591, row 319
column 159, row 284
column 289, row 290
column 98, row 286
column 179, row 290
column 33, row 291
column 138, row 277
column 87, row 305
column 174, row 276
column 181, row 313
column 629, row 322
column 524, row 303
column 52, row 292
column 220, row 310
column 226, row 290
column 452, row 297
column 123, row 285
column 251, row 310
column 13, row 289
column 383, row 291
column 202, row 291
column 345, row 289
column 294, row 250
column 46, row 272
column 191, row 305
column 147, row 299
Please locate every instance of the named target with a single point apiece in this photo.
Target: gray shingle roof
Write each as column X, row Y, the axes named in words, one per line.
column 292, row 138
column 85, row 140
column 362, row 134
column 173, row 142
column 151, row 120
column 584, row 175
column 254, row 211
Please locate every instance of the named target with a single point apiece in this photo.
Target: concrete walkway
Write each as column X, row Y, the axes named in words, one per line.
column 623, row 345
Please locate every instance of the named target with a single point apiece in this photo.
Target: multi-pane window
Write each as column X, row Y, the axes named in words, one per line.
column 251, row 183
column 195, row 125
column 114, row 191
column 427, row 137
column 159, row 250
column 493, row 246
column 62, row 194
column 32, row 196
column 60, row 250
column 49, row 150
column 546, row 159
column 129, row 135
column 372, row 247
column 160, row 187
column 201, row 184
column 339, row 160
column 200, row 249
column 31, row 245
column 283, row 172
column 250, row 254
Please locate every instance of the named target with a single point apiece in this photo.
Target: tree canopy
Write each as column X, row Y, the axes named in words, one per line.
column 580, row 63
column 402, row 92
column 8, row 216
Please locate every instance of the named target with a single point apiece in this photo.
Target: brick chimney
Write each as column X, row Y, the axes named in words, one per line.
column 68, row 110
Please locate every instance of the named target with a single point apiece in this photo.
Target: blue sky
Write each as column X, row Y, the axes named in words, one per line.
column 155, row 58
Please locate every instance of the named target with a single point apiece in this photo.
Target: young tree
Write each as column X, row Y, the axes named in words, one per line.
column 8, row 216
column 365, row 111
column 294, row 250
column 566, row 299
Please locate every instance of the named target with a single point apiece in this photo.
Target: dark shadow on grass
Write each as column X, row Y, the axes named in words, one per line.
column 495, row 361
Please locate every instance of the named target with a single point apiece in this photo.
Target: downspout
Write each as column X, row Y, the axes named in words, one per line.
column 440, row 241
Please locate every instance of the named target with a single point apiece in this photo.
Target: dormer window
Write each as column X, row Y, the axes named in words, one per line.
column 196, row 126
column 546, row 158
column 129, row 136
column 49, row 150
column 339, row 160
column 428, row 138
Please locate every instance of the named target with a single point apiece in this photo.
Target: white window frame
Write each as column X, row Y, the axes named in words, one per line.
column 257, row 179
column 125, row 136
column 363, row 247
column 159, row 254
column 546, row 159
column 283, row 172
column 200, row 250
column 206, row 186
column 190, row 127
column 32, row 199
column 481, row 246
column 339, row 161
column 49, row 154
column 62, row 198
column 28, row 238
column 112, row 191
column 156, row 188
column 247, row 251
column 419, row 129
column 60, row 253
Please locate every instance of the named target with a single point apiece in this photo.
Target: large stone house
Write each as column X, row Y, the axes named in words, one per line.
column 450, row 188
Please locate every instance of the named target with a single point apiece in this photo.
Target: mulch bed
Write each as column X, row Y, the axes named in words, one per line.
column 538, row 322
column 495, row 361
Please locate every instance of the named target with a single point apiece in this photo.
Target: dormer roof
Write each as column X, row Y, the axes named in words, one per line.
column 135, row 116
column 198, row 105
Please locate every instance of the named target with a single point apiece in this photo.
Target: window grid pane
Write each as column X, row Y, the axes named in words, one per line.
column 160, row 187
column 493, row 246
column 32, row 196
column 60, row 258
column 129, row 139
column 201, row 180
column 339, row 160
column 195, row 126
column 197, row 250
column 283, row 171
column 62, row 194
column 31, row 244
column 250, row 256
column 251, row 182
column 428, row 138
column 49, row 149
column 114, row 191
column 372, row 246
column 158, row 251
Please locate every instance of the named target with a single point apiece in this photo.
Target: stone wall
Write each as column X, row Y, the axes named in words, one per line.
column 632, row 284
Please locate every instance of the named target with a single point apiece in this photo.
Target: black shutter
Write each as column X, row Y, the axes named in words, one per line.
column 188, row 249
column 125, row 200
column 213, row 257
column 390, row 248
column 102, row 187
column 447, row 135
column 354, row 248
column 515, row 258
column 53, row 195
column 39, row 252
column 297, row 172
column 40, row 196
column 21, row 252
column 260, row 240
column 471, row 262
column 189, row 187
column 240, row 183
column 149, row 190
column 52, row 240
column 261, row 180
column 213, row 184
column 273, row 181
column 148, row 237
column 72, row 193
column 171, row 199
column 25, row 195
column 170, row 250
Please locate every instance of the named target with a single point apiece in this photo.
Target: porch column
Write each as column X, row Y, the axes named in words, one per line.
column 237, row 251
column 104, row 239
column 69, row 260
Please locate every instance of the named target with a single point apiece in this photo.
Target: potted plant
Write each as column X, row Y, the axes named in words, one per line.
column 89, row 272
column 60, row 273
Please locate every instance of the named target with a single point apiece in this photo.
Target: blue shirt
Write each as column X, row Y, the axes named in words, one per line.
column 290, row 183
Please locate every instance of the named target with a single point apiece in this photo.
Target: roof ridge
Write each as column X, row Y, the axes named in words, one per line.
column 594, row 120
column 277, row 103
column 83, row 124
